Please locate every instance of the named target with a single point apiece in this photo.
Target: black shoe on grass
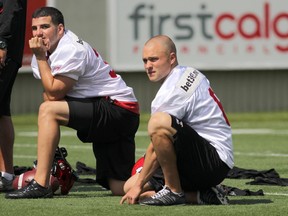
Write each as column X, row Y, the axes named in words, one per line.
column 5, row 185
column 164, row 197
column 213, row 196
column 32, row 191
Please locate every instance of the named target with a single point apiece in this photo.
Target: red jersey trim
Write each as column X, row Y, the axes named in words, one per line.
column 131, row 106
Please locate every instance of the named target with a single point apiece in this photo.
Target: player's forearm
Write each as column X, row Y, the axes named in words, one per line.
column 46, row 75
column 52, row 93
column 149, row 167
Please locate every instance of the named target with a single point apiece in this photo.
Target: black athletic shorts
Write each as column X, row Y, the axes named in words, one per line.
column 198, row 162
column 112, row 131
column 7, row 78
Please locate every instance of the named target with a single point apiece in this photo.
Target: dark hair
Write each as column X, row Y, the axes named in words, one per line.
column 56, row 15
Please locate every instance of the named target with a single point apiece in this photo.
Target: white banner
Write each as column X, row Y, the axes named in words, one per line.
column 209, row 34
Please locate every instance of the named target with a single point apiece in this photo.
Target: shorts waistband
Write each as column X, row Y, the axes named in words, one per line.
column 131, row 106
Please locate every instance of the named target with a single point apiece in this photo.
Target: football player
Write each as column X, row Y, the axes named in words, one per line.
column 191, row 138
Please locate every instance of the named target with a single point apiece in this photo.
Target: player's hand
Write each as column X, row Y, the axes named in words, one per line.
column 132, row 196
column 38, row 47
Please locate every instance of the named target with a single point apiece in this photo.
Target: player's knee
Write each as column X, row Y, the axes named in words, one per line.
column 130, row 182
column 159, row 122
column 45, row 110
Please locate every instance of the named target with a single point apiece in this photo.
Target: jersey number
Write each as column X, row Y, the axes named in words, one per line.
column 212, row 94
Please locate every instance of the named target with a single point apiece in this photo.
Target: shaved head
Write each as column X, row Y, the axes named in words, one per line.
column 164, row 41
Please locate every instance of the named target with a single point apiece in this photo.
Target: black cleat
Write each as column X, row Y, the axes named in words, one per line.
column 32, row 191
column 5, row 185
column 213, row 196
column 164, row 197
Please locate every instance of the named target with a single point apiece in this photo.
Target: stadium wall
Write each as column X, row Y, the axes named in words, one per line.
column 239, row 91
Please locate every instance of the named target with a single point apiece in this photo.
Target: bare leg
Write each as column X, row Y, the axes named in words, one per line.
column 116, row 187
column 131, row 182
column 6, row 144
column 51, row 115
column 161, row 133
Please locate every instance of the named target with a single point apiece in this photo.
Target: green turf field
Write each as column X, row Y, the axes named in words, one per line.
column 260, row 142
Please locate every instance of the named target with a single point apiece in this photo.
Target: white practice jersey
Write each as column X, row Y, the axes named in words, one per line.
column 187, row 95
column 76, row 59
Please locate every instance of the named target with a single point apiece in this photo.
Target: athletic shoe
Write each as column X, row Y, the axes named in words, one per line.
column 32, row 191
column 213, row 196
column 5, row 185
column 164, row 197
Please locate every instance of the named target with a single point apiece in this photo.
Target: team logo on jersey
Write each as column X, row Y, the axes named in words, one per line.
column 80, row 41
column 179, row 122
column 190, row 80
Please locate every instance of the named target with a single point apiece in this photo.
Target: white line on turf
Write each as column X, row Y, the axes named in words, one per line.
column 259, row 154
column 245, row 131
column 276, row 194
